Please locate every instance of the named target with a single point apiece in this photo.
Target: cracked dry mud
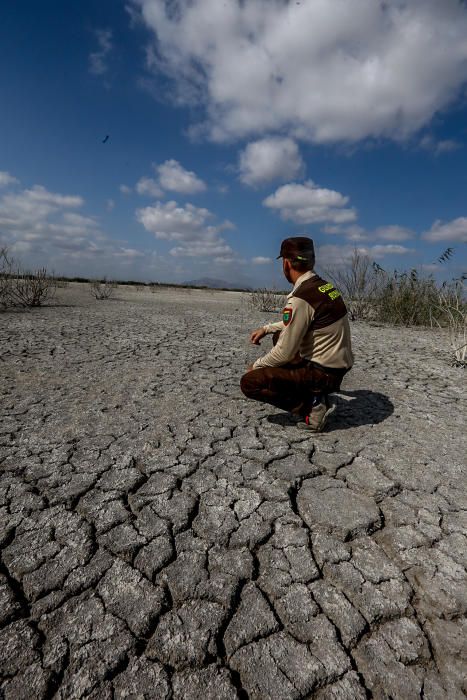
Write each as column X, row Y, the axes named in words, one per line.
column 162, row 537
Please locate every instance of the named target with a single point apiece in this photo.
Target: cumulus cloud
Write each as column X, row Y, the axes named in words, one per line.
column 270, row 159
column 98, row 59
column 187, row 225
column 358, row 233
column 171, row 176
column 310, row 204
column 393, row 233
column 352, row 233
column 174, row 177
column 148, row 186
column 38, row 220
column 321, row 71
column 6, row 179
column 379, row 251
column 124, row 189
column 455, row 230
column 429, row 143
column 29, row 208
column 328, row 256
column 259, row 260
column 41, row 225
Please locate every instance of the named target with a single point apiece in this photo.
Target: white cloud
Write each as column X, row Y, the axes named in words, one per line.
column 6, row 179
column 97, row 59
column 40, row 225
column 259, row 260
column 28, row 208
column 148, row 186
column 328, row 256
column 202, row 249
column 352, row 233
column 187, row 225
column 124, row 189
column 321, row 71
column 358, row 233
column 270, row 159
column 393, row 233
column 110, row 204
column 174, row 177
column 429, row 143
column 310, row 204
column 379, row 251
column 129, row 253
column 455, row 230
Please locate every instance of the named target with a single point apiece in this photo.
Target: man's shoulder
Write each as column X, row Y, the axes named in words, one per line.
column 313, row 286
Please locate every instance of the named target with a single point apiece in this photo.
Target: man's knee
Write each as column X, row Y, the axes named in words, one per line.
column 246, row 384
column 250, row 384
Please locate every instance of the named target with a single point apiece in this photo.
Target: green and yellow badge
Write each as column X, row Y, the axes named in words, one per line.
column 287, row 315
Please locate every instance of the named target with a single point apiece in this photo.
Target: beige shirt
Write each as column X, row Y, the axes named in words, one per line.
column 329, row 346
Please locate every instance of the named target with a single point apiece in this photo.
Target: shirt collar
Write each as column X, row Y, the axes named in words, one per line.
column 306, row 276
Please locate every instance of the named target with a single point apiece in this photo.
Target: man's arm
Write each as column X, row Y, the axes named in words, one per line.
column 273, row 327
column 258, row 334
column 297, row 318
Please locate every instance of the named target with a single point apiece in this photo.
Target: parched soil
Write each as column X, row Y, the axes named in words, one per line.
column 163, row 537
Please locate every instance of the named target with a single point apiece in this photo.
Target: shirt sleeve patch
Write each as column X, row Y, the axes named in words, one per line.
column 287, row 315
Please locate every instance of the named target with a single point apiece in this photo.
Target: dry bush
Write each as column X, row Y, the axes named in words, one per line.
column 358, row 282
column 6, row 271
column 33, row 288
column 452, row 304
column 265, row 300
column 22, row 288
column 102, row 289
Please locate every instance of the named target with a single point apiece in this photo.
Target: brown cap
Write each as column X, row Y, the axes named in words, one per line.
column 298, row 249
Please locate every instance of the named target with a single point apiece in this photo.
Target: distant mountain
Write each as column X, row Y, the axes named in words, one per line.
column 214, row 284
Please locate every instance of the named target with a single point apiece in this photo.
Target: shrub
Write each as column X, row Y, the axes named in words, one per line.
column 406, row 299
column 6, row 267
column 20, row 288
column 102, row 289
column 265, row 300
column 358, row 283
column 33, row 288
column 453, row 307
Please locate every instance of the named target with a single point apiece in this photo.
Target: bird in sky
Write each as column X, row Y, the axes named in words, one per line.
column 106, row 139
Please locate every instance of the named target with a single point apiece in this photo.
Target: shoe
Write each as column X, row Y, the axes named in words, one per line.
column 317, row 419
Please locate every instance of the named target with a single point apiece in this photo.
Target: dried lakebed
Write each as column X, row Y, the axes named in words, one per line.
column 162, row 537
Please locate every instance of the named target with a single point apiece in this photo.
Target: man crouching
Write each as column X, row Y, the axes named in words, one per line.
column 312, row 347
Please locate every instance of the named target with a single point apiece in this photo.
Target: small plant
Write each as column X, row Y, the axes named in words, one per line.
column 452, row 304
column 358, row 282
column 6, row 267
column 102, row 289
column 265, row 300
column 406, row 299
column 20, row 288
column 33, row 288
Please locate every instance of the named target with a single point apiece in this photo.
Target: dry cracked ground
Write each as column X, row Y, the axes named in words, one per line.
column 162, row 537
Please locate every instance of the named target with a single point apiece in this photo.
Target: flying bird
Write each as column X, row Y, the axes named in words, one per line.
column 106, row 139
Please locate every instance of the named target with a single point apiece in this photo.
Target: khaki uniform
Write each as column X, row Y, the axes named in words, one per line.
column 312, row 351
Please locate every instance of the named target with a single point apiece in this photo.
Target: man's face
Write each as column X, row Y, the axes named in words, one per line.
column 286, row 269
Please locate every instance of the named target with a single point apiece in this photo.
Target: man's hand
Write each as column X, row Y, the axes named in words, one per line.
column 257, row 335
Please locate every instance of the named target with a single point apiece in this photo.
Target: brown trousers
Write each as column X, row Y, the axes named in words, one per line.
column 291, row 386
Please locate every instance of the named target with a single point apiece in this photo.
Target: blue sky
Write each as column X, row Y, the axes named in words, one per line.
column 231, row 126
